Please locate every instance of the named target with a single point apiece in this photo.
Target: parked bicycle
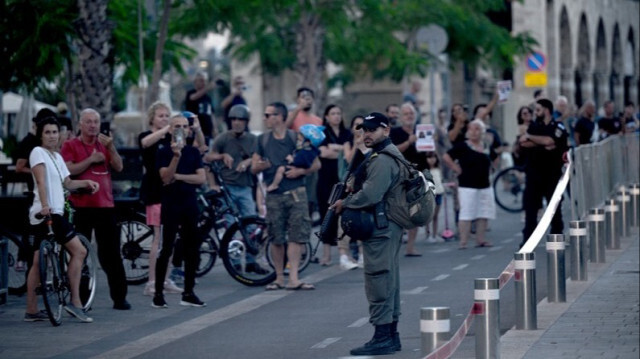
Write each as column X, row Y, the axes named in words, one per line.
column 18, row 267
column 508, row 188
column 54, row 282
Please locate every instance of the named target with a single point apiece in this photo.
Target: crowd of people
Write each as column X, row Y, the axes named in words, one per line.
column 285, row 174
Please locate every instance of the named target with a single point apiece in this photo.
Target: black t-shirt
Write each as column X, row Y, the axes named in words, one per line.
column 179, row 194
column 475, row 165
column 28, row 143
column 276, row 151
column 151, row 185
column 611, row 125
column 584, row 129
column 328, row 173
column 541, row 161
column 462, row 135
column 203, row 107
column 398, row 136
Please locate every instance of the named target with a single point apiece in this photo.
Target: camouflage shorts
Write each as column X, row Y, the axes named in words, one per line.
column 288, row 215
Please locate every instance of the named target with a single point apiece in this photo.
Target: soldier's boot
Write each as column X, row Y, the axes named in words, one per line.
column 381, row 344
column 396, row 336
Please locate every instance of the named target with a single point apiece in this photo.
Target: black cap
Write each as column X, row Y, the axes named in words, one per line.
column 373, row 121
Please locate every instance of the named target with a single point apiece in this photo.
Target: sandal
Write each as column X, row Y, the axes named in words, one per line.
column 484, row 244
column 274, row 286
column 302, row 286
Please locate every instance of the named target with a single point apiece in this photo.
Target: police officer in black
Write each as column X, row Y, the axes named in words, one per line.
column 545, row 142
column 374, row 181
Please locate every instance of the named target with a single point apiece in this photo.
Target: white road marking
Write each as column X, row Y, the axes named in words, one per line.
column 358, row 323
column 441, row 250
column 325, row 343
column 494, row 249
column 416, row 290
column 441, row 277
column 478, row 257
column 461, row 267
column 507, row 241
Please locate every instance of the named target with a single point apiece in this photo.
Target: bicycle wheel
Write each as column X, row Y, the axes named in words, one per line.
column 208, row 255
column 89, row 277
column 135, row 245
column 52, row 284
column 305, row 257
column 17, row 275
column 508, row 188
column 245, row 256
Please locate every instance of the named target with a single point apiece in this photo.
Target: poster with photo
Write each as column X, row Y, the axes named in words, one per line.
column 425, row 142
column 504, row 90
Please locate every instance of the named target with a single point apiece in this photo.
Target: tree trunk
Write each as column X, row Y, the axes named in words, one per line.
column 310, row 64
column 154, row 89
column 94, row 80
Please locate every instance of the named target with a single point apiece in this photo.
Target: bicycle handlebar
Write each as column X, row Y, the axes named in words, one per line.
column 49, row 220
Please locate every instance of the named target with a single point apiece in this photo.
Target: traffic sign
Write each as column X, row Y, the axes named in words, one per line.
column 535, row 79
column 536, row 61
column 432, row 39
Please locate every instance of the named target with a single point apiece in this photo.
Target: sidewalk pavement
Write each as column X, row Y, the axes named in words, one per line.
column 599, row 319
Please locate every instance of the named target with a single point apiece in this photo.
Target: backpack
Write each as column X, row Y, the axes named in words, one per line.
column 412, row 200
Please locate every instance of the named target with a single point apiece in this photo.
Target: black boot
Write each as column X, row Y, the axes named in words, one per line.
column 382, row 343
column 396, row 336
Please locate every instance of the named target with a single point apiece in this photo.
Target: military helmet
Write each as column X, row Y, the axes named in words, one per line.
column 240, row 111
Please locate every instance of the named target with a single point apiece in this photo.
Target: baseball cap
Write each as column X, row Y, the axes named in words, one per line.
column 373, row 121
column 188, row 114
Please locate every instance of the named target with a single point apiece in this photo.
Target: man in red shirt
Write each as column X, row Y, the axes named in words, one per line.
column 93, row 156
column 302, row 114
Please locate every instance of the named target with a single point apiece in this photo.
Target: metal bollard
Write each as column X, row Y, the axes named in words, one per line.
column 624, row 201
column 578, row 242
column 612, row 223
column 525, row 284
column 434, row 327
column 556, row 277
column 486, row 307
column 634, row 193
column 596, row 235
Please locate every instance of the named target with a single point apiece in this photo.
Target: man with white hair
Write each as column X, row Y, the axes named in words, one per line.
column 563, row 113
column 93, row 156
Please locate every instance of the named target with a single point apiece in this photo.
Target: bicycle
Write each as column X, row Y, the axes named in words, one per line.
column 17, row 276
column 508, row 188
column 245, row 247
column 54, row 283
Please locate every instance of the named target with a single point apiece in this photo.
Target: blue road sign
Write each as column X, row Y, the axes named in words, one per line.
column 536, row 61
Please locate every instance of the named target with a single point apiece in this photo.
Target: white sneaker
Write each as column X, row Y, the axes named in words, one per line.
column 171, row 287
column 439, row 239
column 432, row 240
column 360, row 261
column 346, row 263
column 149, row 289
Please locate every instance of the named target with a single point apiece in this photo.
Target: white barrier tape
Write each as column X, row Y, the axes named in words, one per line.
column 596, row 218
column 545, row 221
column 611, row 208
column 486, row 294
column 623, row 198
column 506, row 275
column 525, row 264
column 447, row 349
column 635, row 191
column 577, row 231
column 555, row 246
column 435, row 326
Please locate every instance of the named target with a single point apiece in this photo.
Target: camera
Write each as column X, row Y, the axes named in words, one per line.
column 105, row 128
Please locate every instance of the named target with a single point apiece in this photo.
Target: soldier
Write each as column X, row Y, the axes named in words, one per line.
column 375, row 178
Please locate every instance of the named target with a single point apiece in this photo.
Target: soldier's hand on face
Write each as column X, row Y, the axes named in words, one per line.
column 97, row 157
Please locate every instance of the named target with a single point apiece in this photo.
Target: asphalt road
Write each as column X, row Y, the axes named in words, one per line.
column 243, row 322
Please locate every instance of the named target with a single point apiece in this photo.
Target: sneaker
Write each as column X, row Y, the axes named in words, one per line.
column 171, row 287
column 150, row 289
column 158, row 302
column 360, row 261
column 431, row 240
column 78, row 313
column 37, row 317
column 439, row 239
column 191, row 300
column 177, row 275
column 122, row 305
column 346, row 263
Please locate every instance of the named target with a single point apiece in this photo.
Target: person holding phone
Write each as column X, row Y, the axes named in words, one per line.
column 93, row 156
column 180, row 168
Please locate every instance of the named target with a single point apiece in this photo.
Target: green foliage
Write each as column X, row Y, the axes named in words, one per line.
column 362, row 36
column 34, row 41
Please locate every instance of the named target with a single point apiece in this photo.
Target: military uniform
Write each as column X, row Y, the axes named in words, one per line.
column 543, row 171
column 381, row 259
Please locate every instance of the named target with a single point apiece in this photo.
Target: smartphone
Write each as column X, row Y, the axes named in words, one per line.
column 178, row 136
column 190, row 120
column 105, row 128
